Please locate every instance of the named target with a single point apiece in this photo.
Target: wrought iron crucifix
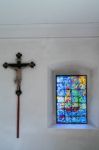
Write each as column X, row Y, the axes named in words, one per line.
column 18, row 66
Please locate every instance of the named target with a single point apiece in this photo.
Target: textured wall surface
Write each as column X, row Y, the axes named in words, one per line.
column 34, row 131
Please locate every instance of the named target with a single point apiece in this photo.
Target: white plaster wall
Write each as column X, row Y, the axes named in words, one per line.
column 34, row 131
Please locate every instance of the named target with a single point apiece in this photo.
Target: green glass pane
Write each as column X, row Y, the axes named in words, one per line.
column 75, row 93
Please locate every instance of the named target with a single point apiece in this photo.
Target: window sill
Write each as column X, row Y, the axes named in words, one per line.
column 73, row 126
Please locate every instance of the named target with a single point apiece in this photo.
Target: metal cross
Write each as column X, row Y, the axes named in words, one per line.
column 18, row 68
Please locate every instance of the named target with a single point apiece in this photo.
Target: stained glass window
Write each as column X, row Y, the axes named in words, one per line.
column 71, row 99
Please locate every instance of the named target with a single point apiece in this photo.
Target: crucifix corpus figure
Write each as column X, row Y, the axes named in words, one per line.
column 18, row 68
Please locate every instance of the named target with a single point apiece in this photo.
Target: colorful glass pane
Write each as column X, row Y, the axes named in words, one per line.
column 71, row 99
column 60, row 99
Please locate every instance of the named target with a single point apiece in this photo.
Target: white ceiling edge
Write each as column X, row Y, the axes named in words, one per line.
column 69, row 30
column 48, row 11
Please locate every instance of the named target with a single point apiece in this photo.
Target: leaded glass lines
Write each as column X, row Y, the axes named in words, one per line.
column 71, row 99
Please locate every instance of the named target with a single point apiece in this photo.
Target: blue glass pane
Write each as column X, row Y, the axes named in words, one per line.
column 60, row 112
column 75, row 113
column 68, row 120
column 61, row 92
column 68, row 83
column 83, row 120
column 68, row 113
column 75, row 119
column 61, row 119
column 60, row 79
column 61, row 86
column 82, row 112
column 82, row 93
